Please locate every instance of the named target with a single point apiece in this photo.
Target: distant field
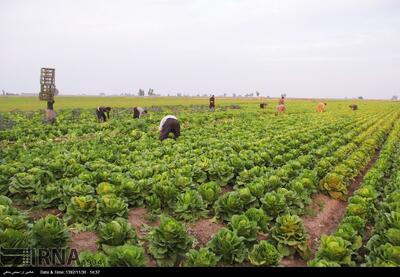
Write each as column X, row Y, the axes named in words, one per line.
column 62, row 102
column 33, row 103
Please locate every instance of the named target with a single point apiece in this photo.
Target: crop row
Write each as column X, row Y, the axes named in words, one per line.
column 376, row 193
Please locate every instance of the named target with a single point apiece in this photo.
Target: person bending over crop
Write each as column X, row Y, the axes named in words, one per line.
column 101, row 113
column 212, row 103
column 139, row 112
column 321, row 107
column 282, row 101
column 353, row 107
column 169, row 124
column 280, row 109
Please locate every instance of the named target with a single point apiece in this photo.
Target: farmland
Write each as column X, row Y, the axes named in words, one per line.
column 240, row 187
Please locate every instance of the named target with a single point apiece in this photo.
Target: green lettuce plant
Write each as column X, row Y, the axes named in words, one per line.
column 244, row 227
column 201, row 258
column 290, row 236
column 117, row 232
column 50, row 232
column 190, row 206
column 90, row 259
column 169, row 242
column 228, row 246
column 264, row 254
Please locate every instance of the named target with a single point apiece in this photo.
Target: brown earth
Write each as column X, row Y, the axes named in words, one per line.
column 43, row 213
column 203, row 230
column 37, row 214
column 84, row 241
column 137, row 217
column 226, row 189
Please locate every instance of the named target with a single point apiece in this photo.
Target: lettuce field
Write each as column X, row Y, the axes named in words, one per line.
column 240, row 187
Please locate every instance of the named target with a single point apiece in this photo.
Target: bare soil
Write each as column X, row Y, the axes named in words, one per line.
column 203, row 230
column 36, row 214
column 325, row 221
column 43, row 213
column 226, row 189
column 137, row 217
column 295, row 262
column 84, row 241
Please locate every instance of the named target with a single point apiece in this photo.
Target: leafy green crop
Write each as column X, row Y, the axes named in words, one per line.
column 347, row 232
column 228, row 204
column 50, row 232
column 111, row 207
column 90, row 259
column 11, row 238
column 132, row 191
column 117, row 232
column 126, row 256
column 82, row 209
column 274, row 204
column 244, row 227
column 384, row 256
column 335, row 249
column 105, row 188
column 259, row 216
column 169, row 242
column 227, row 245
column 209, row 192
column 23, row 187
column 190, row 206
column 264, row 254
column 201, row 258
column 335, row 186
column 291, row 236
column 322, row 263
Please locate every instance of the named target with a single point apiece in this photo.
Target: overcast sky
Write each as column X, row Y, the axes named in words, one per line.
column 304, row 48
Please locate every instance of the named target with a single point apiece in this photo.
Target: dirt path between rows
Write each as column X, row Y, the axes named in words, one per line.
column 84, row 241
column 203, row 230
column 35, row 214
column 329, row 215
column 138, row 218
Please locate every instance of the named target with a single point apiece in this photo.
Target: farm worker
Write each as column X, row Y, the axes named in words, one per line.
column 50, row 114
column 101, row 113
column 212, row 103
column 280, row 109
column 263, row 104
column 353, row 107
column 139, row 112
column 169, row 124
column 321, row 107
column 282, row 100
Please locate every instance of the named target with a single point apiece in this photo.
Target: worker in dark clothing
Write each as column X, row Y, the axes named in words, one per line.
column 353, row 107
column 139, row 112
column 212, row 103
column 50, row 114
column 101, row 113
column 169, row 124
column 50, row 104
